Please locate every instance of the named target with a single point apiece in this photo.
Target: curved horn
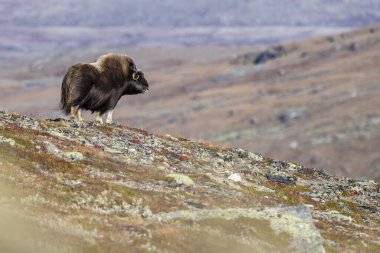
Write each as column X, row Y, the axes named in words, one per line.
column 136, row 75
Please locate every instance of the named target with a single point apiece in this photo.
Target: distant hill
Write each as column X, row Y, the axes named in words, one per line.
column 345, row 13
column 33, row 28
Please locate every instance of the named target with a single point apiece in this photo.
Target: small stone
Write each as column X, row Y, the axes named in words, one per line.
column 335, row 215
column 281, row 72
column 220, row 161
column 220, row 154
column 112, row 151
column 172, row 138
column 354, row 46
column 255, row 156
column 198, row 205
column 186, row 165
column 10, row 141
column 73, row 156
column 293, row 144
column 290, row 116
column 235, row 177
column 252, row 121
column 292, row 166
column 262, row 188
column 132, row 150
column 165, row 164
column 50, row 148
column 146, row 212
column 181, row 179
column 241, row 153
column 57, row 134
column 282, row 179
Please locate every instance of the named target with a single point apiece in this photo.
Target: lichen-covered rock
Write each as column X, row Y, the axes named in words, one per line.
column 294, row 223
column 73, row 156
column 255, row 156
column 235, row 177
column 181, row 179
column 58, row 134
column 10, row 141
column 112, row 151
column 281, row 178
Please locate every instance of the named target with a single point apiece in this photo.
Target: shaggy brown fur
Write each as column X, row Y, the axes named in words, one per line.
column 99, row 86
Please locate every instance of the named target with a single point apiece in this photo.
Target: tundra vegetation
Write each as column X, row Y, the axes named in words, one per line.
column 82, row 187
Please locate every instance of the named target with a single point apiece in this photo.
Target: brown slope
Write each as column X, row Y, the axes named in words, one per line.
column 317, row 104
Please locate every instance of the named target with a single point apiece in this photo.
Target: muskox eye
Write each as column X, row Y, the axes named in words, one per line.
column 135, row 76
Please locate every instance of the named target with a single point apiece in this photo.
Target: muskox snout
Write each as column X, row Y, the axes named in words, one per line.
column 145, row 85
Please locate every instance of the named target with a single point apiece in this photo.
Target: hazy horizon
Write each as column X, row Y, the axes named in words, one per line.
column 33, row 28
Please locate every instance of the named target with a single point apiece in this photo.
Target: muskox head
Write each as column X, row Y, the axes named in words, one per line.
column 137, row 83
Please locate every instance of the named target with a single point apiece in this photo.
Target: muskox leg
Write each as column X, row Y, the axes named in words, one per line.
column 99, row 118
column 80, row 118
column 74, row 113
column 109, row 117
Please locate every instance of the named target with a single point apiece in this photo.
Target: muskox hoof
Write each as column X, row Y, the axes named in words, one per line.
column 109, row 121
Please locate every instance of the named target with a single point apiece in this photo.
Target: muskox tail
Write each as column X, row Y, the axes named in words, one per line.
column 64, row 106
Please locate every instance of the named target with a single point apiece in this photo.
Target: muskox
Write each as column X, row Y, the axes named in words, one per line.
column 98, row 86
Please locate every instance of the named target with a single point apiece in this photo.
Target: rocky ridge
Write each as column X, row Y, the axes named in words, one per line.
column 86, row 187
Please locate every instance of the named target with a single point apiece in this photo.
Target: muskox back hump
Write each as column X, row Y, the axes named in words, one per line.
column 85, row 73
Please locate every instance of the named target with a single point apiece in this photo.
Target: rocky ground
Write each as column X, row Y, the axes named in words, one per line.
column 82, row 187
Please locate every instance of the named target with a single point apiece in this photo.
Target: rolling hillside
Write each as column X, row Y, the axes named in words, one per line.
column 315, row 102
